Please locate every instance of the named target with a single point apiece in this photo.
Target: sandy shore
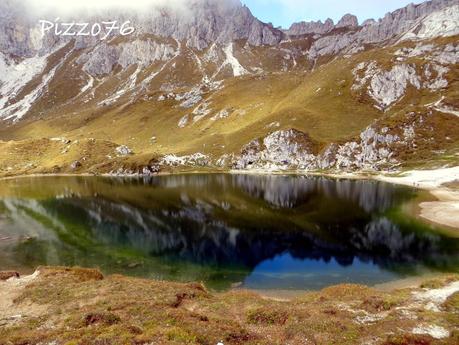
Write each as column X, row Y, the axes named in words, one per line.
column 444, row 211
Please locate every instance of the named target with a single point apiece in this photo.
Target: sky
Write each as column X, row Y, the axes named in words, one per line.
column 285, row 12
column 279, row 12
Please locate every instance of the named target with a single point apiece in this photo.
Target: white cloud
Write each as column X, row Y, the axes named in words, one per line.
column 69, row 6
column 280, row 12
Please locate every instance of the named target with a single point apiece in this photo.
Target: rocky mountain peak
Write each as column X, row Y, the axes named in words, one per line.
column 348, row 20
column 317, row 27
column 392, row 24
column 212, row 21
column 370, row 21
column 198, row 23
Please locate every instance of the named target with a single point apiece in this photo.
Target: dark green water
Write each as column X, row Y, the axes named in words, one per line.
column 262, row 232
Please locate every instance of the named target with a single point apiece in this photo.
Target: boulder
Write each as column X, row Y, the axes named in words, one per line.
column 75, row 165
column 5, row 275
column 123, row 150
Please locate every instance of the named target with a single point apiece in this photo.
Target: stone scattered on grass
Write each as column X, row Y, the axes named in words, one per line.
column 434, row 331
column 123, row 150
column 62, row 140
column 195, row 159
column 75, row 165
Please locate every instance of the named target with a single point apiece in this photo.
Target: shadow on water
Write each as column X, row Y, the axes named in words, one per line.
column 286, row 232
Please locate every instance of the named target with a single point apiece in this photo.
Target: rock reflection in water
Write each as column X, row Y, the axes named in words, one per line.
column 232, row 223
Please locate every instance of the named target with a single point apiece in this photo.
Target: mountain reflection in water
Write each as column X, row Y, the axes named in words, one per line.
column 264, row 231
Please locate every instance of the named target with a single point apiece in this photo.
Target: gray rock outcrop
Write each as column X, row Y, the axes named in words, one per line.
column 318, row 27
column 104, row 57
column 388, row 28
column 348, row 21
column 280, row 150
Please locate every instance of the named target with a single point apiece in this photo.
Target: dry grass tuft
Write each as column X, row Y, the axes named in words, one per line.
column 76, row 274
column 76, row 306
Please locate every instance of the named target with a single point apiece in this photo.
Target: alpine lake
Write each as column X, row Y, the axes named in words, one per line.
column 251, row 231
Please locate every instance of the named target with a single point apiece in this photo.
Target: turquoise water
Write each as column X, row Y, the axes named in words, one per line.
column 260, row 232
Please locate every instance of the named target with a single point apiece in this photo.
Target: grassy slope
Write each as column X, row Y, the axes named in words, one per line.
column 320, row 103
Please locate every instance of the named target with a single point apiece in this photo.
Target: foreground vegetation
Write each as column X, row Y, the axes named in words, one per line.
column 80, row 306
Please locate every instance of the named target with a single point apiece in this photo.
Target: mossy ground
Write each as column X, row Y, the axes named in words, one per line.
column 82, row 307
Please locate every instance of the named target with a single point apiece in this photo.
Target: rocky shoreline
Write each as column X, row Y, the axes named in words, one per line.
column 443, row 211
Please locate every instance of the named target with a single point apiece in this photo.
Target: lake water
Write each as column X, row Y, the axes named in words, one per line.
column 258, row 232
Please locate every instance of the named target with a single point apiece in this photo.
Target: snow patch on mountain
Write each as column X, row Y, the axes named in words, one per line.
column 15, row 76
column 127, row 86
column 232, row 61
column 27, row 69
column 89, row 85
